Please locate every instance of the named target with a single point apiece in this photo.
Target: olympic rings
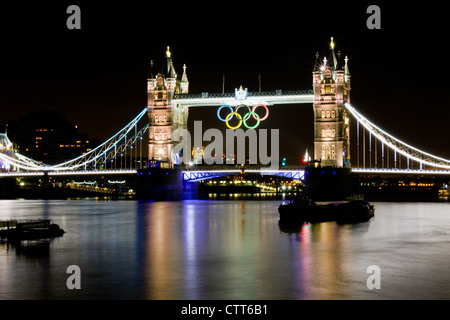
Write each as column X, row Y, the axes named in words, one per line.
column 231, row 116
column 243, row 120
column 260, row 105
column 243, row 105
column 246, row 118
column 220, row 108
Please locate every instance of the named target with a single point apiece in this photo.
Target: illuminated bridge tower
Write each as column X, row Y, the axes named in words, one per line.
column 165, row 117
column 331, row 81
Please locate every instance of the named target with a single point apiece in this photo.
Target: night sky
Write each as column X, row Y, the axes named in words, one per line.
column 96, row 76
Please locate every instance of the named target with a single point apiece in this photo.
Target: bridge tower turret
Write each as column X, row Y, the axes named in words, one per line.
column 164, row 117
column 331, row 83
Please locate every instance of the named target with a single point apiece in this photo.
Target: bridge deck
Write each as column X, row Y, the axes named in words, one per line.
column 287, row 172
column 401, row 171
column 252, row 98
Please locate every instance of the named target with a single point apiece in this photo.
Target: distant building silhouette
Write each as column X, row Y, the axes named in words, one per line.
column 48, row 137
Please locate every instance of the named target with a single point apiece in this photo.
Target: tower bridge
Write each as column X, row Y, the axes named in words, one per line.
column 375, row 151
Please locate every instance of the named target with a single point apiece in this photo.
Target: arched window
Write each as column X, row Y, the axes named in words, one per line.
column 328, row 153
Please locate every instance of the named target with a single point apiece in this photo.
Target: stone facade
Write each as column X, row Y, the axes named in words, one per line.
column 165, row 117
column 331, row 83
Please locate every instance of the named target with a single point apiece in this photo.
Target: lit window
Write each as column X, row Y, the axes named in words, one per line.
column 333, row 133
column 333, row 114
column 328, row 114
column 324, row 134
column 88, row 149
column 61, row 146
column 323, row 114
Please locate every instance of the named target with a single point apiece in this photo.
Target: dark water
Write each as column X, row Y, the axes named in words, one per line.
column 200, row 249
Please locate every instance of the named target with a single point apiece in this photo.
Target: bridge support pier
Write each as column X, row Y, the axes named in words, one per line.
column 328, row 183
column 8, row 188
column 163, row 184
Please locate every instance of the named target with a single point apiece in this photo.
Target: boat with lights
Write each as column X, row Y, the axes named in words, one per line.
column 304, row 210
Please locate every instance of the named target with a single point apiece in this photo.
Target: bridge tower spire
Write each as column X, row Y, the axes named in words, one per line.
column 164, row 116
column 184, row 84
column 331, row 85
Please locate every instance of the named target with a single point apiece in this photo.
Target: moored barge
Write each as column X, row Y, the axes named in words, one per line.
column 18, row 230
column 303, row 210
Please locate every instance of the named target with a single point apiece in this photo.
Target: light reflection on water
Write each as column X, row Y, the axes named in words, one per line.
column 222, row 249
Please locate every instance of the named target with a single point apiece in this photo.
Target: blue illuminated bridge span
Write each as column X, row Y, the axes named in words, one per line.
column 200, row 175
column 298, row 174
column 384, row 153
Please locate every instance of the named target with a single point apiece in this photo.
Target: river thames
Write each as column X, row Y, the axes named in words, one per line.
column 226, row 250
